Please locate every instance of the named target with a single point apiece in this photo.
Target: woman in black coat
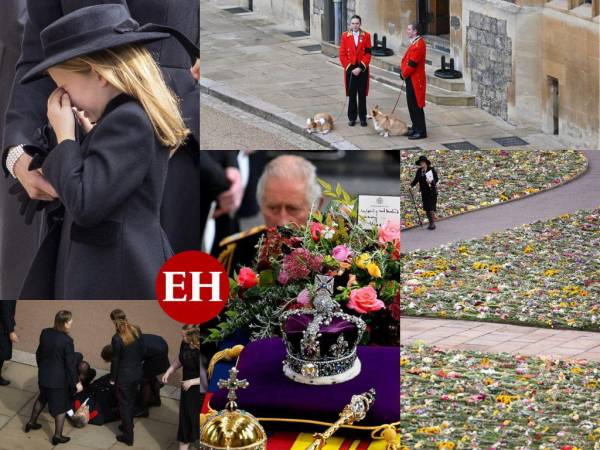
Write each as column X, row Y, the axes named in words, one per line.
column 193, row 386
column 427, row 178
column 57, row 375
column 126, row 370
column 155, row 362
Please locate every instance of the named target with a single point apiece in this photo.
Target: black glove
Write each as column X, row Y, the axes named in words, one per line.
column 28, row 206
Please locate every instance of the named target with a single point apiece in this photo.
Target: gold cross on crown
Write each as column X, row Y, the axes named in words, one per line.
column 232, row 384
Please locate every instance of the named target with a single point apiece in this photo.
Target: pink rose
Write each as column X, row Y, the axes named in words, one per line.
column 341, row 253
column 303, row 297
column 247, row 278
column 389, row 232
column 364, row 300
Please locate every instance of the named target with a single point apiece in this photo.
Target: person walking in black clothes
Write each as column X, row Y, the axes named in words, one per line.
column 7, row 333
column 193, row 386
column 126, row 370
column 57, row 375
column 427, row 178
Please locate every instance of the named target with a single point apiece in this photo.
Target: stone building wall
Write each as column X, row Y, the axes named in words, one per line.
column 490, row 62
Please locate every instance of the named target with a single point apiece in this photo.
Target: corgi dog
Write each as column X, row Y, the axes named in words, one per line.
column 387, row 125
column 321, row 123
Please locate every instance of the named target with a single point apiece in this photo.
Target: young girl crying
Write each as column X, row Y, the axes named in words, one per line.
column 109, row 243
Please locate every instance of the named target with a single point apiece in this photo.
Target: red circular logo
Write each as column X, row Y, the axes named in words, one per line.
column 192, row 287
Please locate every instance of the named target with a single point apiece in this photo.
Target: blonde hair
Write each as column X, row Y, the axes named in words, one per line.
column 132, row 70
column 192, row 335
column 128, row 332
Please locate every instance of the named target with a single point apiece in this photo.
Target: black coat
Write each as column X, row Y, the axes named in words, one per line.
column 20, row 242
column 7, row 326
column 111, row 243
column 7, row 316
column 56, row 360
column 26, row 113
column 156, row 355
column 428, row 192
column 126, row 366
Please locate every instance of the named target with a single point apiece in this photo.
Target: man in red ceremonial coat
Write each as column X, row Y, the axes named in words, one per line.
column 412, row 70
column 355, row 57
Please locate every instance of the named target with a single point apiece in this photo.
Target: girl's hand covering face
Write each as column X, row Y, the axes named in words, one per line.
column 60, row 115
column 83, row 121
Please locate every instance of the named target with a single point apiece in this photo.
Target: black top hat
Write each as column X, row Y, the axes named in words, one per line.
column 421, row 159
column 94, row 28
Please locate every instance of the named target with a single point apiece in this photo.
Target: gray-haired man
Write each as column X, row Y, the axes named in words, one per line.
column 287, row 191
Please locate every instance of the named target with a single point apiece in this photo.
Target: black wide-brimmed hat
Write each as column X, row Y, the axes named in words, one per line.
column 421, row 159
column 94, row 28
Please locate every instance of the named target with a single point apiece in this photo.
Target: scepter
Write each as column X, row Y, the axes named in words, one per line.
column 353, row 412
column 415, row 205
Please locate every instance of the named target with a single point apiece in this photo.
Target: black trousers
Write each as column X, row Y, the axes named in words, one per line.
column 126, row 394
column 357, row 87
column 417, row 115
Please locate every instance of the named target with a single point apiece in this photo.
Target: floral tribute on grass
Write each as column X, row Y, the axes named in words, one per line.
column 471, row 400
column 364, row 263
column 474, row 179
column 542, row 274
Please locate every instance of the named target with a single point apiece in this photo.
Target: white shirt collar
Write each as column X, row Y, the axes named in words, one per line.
column 412, row 41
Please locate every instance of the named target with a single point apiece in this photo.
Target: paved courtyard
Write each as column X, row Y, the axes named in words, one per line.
column 249, row 62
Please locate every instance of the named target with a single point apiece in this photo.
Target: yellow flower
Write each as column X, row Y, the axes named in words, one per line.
column 494, row 268
column 427, row 274
column 374, row 270
column 362, row 260
column 551, row 272
column 592, row 384
column 506, row 399
column 463, row 250
column 577, row 370
column 429, row 430
column 403, row 361
column 420, row 290
column 528, row 249
column 446, row 445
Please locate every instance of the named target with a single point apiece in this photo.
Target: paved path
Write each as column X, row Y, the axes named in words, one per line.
column 249, row 60
column 496, row 337
column 582, row 193
column 225, row 127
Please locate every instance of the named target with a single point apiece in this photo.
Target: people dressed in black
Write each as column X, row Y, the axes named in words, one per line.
column 193, row 386
column 126, row 370
column 427, row 178
column 155, row 362
column 57, row 375
column 7, row 333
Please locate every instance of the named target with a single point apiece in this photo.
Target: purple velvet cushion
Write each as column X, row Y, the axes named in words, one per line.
column 272, row 395
column 296, row 324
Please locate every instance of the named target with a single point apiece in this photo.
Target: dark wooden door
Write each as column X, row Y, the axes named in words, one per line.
column 438, row 17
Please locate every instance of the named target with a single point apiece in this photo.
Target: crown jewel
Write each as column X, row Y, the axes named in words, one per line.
column 321, row 341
